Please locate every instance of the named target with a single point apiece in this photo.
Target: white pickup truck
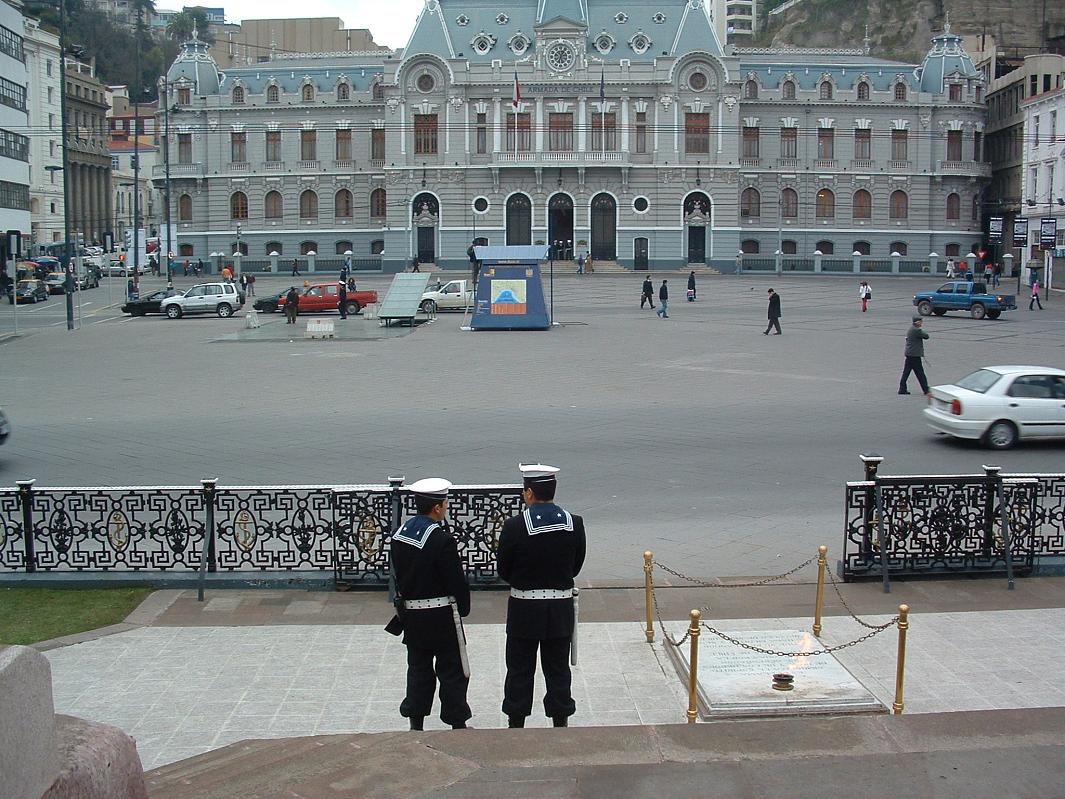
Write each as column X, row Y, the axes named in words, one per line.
column 454, row 295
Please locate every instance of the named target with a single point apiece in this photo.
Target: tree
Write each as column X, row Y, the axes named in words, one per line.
column 179, row 28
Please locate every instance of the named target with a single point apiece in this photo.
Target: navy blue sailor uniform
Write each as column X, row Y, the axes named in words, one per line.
column 427, row 567
column 541, row 550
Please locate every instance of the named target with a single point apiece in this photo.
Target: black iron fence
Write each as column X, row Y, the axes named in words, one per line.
column 972, row 523
column 343, row 529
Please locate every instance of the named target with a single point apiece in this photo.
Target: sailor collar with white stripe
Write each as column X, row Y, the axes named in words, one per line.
column 546, row 517
column 416, row 531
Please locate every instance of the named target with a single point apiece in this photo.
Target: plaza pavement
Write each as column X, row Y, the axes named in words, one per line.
column 696, row 437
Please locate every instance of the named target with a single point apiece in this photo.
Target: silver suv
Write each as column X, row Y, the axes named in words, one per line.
column 223, row 299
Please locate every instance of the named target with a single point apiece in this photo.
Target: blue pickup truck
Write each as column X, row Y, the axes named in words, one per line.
column 964, row 295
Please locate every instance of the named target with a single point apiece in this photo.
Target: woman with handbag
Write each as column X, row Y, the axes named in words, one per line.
column 864, row 295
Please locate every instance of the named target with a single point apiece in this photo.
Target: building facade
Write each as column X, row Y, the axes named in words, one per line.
column 88, row 157
column 1043, row 170
column 46, row 146
column 127, row 179
column 14, row 124
column 626, row 132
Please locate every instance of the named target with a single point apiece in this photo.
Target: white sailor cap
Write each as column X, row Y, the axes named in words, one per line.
column 431, row 487
column 537, row 472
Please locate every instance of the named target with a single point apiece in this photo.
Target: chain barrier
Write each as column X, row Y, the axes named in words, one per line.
column 842, row 601
column 755, row 584
column 662, row 625
column 825, row 651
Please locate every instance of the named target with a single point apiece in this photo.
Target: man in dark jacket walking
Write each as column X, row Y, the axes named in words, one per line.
column 432, row 594
column 342, row 299
column 774, row 313
column 663, row 300
column 915, row 339
column 295, row 267
column 691, row 286
column 648, row 294
column 292, row 306
column 540, row 552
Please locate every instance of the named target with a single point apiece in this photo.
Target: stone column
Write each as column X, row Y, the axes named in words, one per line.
column 539, row 124
column 624, row 124
column 495, row 129
column 582, row 125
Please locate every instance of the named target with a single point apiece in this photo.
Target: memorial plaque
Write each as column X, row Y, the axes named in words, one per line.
column 734, row 681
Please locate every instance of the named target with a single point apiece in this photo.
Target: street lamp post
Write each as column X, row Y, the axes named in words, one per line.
column 68, row 283
column 237, row 255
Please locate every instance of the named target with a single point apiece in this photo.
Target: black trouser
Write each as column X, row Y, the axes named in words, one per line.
column 290, row 312
column 647, row 298
column 421, row 685
column 913, row 364
column 343, row 309
column 521, row 671
column 1035, row 301
column 774, row 321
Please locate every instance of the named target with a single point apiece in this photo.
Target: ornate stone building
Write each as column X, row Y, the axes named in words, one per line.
column 622, row 129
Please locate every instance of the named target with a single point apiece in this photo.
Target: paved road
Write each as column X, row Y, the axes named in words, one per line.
column 721, row 449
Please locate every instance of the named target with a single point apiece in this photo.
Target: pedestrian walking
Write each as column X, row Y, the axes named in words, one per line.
column 198, row 268
column 351, row 284
column 691, row 286
column 188, row 268
column 342, row 299
column 540, row 552
column 648, row 293
column 915, row 339
column 864, row 295
column 415, row 264
column 950, row 267
column 431, row 597
column 663, row 300
column 996, row 274
column 295, row 267
column 580, row 264
column 774, row 313
column 251, row 285
column 292, row 306
column 1036, row 288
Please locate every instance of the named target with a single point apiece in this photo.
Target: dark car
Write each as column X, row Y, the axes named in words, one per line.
column 31, row 291
column 148, row 304
column 269, row 304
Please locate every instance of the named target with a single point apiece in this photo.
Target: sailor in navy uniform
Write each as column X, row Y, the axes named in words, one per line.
column 539, row 554
column 429, row 577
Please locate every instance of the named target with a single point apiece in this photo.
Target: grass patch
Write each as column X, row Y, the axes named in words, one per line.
column 29, row 615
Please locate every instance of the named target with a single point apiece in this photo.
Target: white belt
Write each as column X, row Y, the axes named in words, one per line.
column 427, row 604
column 542, row 593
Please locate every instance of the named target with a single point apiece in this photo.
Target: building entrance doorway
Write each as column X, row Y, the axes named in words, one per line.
column 560, row 226
column 519, row 220
column 604, row 228
column 639, row 254
column 697, row 217
column 425, row 211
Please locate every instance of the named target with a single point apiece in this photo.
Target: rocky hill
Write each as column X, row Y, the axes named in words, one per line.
column 901, row 29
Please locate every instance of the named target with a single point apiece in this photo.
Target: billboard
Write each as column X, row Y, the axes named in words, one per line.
column 994, row 230
column 1048, row 232
column 1020, row 232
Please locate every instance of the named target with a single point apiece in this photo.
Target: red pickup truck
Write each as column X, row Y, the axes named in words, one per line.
column 319, row 298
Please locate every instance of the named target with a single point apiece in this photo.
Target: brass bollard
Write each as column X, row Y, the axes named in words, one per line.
column 822, row 564
column 693, row 666
column 900, row 662
column 649, row 594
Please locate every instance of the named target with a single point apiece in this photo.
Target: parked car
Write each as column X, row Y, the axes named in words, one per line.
column 964, row 295
column 150, row 304
column 455, row 295
column 5, row 427
column 56, row 283
column 217, row 298
column 1001, row 405
column 319, row 298
column 31, row 291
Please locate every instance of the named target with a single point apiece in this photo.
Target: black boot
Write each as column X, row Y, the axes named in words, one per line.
column 417, row 723
column 459, row 726
column 560, row 721
column 515, row 722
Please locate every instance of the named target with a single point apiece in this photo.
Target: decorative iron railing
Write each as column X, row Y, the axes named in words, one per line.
column 345, row 529
column 926, row 524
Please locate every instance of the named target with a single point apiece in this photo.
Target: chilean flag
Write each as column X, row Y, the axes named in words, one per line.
column 517, row 90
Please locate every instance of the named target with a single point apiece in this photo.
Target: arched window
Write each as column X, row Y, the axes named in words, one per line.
column 862, row 248
column 343, row 91
column 750, row 202
column 900, row 205
column 862, row 205
column 952, row 250
column 378, row 91
column 274, row 247
column 825, row 91
column 789, row 204
column 953, row 206
column 749, row 246
column 184, row 206
column 788, row 90
column 308, row 205
column 377, row 246
column 238, row 95
column 826, row 204
column 900, row 92
column 788, row 247
column 378, row 204
column 826, row 247
column 185, row 250
column 343, row 205
column 898, row 247
column 273, row 94
column 307, row 93
column 976, row 207
column 242, row 248
column 863, row 90
column 274, row 205
column 307, row 247
column 343, row 247
column 238, row 205
column 750, row 90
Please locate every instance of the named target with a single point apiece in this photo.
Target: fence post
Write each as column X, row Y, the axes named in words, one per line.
column 649, row 594
column 992, row 484
column 1004, row 518
column 25, row 497
column 693, row 666
column 207, row 553
column 870, row 463
column 822, row 564
column 900, row 660
column 395, row 483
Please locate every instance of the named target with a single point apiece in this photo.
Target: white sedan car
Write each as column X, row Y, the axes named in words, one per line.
column 1001, row 405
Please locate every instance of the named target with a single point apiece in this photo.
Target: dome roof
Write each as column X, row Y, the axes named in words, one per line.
column 947, row 57
column 194, row 64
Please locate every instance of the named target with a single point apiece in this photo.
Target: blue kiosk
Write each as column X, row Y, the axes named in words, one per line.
column 510, row 295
